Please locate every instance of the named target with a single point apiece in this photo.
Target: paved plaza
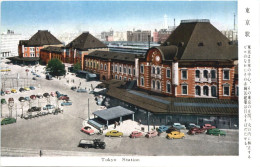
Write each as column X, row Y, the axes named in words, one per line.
column 61, row 133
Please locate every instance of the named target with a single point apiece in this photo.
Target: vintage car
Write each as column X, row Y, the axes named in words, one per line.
column 8, row 91
column 39, row 96
column 21, row 90
column 64, row 98
column 96, row 143
column 162, row 128
column 73, row 88
column 36, row 108
column 208, row 126
column 13, row 91
column 135, row 134
column 195, row 130
column 38, row 75
column 191, row 125
column 114, row 133
column 216, row 132
column 27, row 98
column 21, row 99
column 175, row 135
column 3, row 101
column 81, row 90
column 34, row 78
column 170, row 129
column 26, row 89
column 32, row 87
column 8, row 121
column 178, row 126
column 66, row 103
column 48, row 106
column 2, row 93
column 88, row 130
column 33, row 97
column 11, row 99
column 151, row 134
column 53, row 94
column 46, row 94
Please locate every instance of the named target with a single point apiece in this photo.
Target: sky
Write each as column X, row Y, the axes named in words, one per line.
column 27, row 17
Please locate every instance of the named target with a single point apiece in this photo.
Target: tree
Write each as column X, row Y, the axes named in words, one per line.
column 56, row 68
column 76, row 67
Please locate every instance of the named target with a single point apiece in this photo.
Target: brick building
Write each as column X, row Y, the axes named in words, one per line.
column 161, row 35
column 33, row 46
column 112, row 65
column 195, row 61
column 138, row 36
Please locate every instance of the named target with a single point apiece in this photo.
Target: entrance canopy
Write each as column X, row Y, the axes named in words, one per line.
column 113, row 113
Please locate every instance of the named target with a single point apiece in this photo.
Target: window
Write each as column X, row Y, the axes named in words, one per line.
column 142, row 69
column 90, row 64
column 214, row 91
column 153, row 84
column 153, row 70
column 115, row 76
column 112, row 67
column 168, row 73
column 105, row 67
column 25, row 54
column 226, row 74
column 124, row 78
column 168, row 87
column 205, row 90
column 32, row 55
column 197, row 90
column 25, row 49
column 37, row 49
column 205, row 74
column 158, row 85
column 94, row 65
column 213, row 74
column 237, row 91
column 197, row 73
column 142, row 81
column 31, row 49
column 124, row 70
column 158, row 70
column 133, row 71
column 184, row 89
column 129, row 71
column 184, row 74
column 101, row 66
column 37, row 54
column 226, row 90
column 97, row 65
column 120, row 78
column 120, row 69
column 115, row 68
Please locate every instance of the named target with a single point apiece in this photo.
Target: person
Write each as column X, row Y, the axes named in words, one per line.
column 118, row 123
column 40, row 153
column 115, row 125
column 140, row 121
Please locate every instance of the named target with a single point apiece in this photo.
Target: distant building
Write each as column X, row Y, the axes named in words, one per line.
column 138, row 36
column 120, row 36
column 107, row 36
column 161, row 35
column 230, row 34
column 9, row 43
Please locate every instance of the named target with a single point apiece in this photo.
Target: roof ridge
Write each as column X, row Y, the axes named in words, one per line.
column 188, row 42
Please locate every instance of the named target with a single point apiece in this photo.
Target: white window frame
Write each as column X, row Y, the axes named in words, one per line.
column 196, row 73
column 153, row 70
column 130, row 71
column 158, row 72
column 224, row 86
column 120, row 68
column 224, row 74
column 216, row 90
column 142, row 67
column 115, row 68
column 115, row 76
column 120, row 78
column 105, row 67
column 207, row 74
column 124, row 70
column 37, row 49
column 199, row 92
column 142, row 83
column 156, row 87
column 101, row 66
column 25, row 49
column 182, row 70
column 215, row 74
column 203, row 89
column 38, row 54
column 182, row 89
column 168, row 69
column 153, row 86
column 168, row 83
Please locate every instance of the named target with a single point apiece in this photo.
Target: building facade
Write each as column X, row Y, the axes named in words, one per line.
column 161, row 35
column 138, row 36
column 9, row 43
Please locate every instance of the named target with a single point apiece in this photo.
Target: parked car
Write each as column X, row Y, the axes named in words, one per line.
column 57, row 110
column 3, row 101
column 2, row 93
column 53, row 94
column 21, row 90
column 32, row 87
column 6, row 121
column 34, row 78
column 27, row 98
column 48, row 106
column 175, row 135
column 27, row 89
column 46, row 94
column 64, row 98
column 11, row 99
column 163, row 128
column 73, row 88
column 38, row 75
column 114, row 133
column 136, row 134
column 21, row 99
column 36, row 108
column 39, row 96
column 33, row 97
column 8, row 91
column 179, row 126
column 13, row 91
column 66, row 103
column 195, row 130
column 48, row 77
column 151, row 134
column 88, row 130
column 170, row 129
column 216, row 132
column 96, row 143
column 191, row 125
column 81, row 90
column 208, row 126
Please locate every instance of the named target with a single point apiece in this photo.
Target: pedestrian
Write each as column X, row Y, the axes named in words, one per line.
column 118, row 123
column 153, row 126
column 40, row 153
column 115, row 125
column 140, row 121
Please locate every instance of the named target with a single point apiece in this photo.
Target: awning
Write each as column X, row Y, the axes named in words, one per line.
column 113, row 113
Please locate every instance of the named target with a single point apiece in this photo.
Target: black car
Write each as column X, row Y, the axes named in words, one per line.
column 36, row 109
column 96, row 143
column 73, row 88
column 21, row 89
column 171, row 129
column 21, row 99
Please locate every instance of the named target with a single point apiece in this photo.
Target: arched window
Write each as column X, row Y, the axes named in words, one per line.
column 153, row 84
column 205, row 90
column 197, row 73
column 153, row 70
column 105, row 67
column 101, row 66
column 168, row 87
column 142, row 81
column 158, row 84
column 214, row 91
column 115, row 68
column 158, row 70
column 213, row 74
column 197, row 90
column 205, row 74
